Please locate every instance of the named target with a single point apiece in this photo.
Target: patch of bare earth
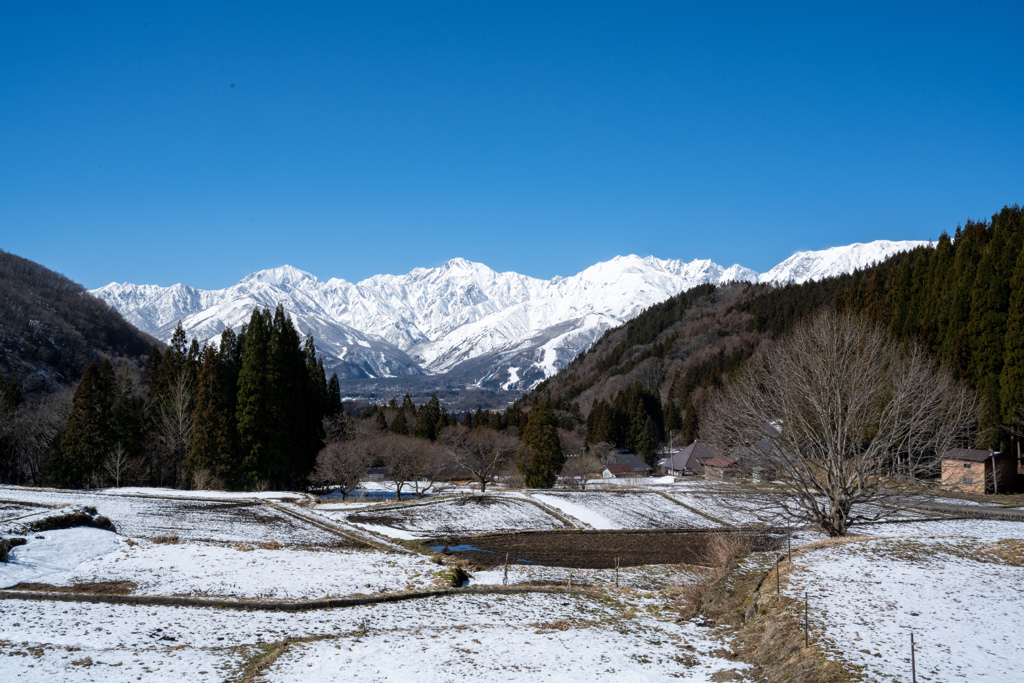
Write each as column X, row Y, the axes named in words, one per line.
column 92, row 587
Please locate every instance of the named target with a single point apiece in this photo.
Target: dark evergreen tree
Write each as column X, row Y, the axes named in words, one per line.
column 429, row 420
column 87, row 438
column 254, row 415
column 399, row 425
column 689, row 429
column 151, row 373
column 333, row 396
column 540, row 459
column 1012, row 374
column 212, row 448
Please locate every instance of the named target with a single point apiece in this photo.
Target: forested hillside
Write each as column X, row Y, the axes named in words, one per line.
column 51, row 328
column 962, row 299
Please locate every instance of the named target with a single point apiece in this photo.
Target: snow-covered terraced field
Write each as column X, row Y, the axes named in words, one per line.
column 11, row 510
column 730, row 508
column 486, row 638
column 460, row 516
column 624, row 510
column 231, row 572
column 957, row 593
column 223, row 521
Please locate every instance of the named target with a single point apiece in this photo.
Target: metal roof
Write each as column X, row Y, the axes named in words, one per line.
column 968, row 454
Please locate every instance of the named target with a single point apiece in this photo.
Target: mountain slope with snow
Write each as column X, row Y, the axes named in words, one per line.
column 461, row 316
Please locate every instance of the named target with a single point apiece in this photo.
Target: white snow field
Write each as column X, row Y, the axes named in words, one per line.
column 237, row 572
column 955, row 584
column 625, row 510
column 441, row 639
column 199, row 518
column 454, row 516
column 51, row 553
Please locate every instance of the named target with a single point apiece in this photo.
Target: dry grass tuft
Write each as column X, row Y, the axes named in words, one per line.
column 166, row 540
column 548, row 626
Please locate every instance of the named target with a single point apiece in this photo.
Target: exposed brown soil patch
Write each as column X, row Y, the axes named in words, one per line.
column 93, row 588
column 598, row 549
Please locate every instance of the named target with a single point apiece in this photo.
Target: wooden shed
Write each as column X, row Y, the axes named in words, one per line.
column 978, row 471
column 720, row 468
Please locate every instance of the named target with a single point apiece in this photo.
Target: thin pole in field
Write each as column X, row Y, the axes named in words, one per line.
column 807, row 627
column 913, row 664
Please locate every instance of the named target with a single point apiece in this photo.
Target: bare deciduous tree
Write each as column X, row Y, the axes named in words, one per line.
column 412, row 462
column 481, row 452
column 118, row 464
column 856, row 420
column 342, row 464
column 579, row 469
column 33, row 428
column 174, row 430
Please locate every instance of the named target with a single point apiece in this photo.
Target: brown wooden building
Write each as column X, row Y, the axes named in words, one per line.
column 979, row 471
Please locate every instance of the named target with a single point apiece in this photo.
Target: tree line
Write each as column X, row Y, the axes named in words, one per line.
column 254, row 411
column 249, row 412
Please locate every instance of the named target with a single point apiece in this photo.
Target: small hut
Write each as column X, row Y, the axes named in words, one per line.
column 978, row 471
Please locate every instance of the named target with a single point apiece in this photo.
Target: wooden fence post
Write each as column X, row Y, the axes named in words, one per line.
column 807, row 626
column 913, row 664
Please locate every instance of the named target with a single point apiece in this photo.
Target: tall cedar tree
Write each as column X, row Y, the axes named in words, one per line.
column 253, row 414
column 430, row 420
column 1012, row 376
column 333, row 396
column 212, row 447
column 86, row 441
column 540, row 459
column 282, row 397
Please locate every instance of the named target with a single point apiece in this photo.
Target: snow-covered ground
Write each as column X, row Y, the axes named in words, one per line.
column 204, row 516
column 455, row 516
column 504, row 638
column 221, row 571
column 52, row 553
column 624, row 510
column 955, row 584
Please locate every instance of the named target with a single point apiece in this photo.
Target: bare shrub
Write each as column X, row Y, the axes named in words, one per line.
column 166, row 540
column 579, row 469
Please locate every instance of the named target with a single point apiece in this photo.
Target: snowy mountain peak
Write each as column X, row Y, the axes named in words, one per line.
column 461, row 316
column 283, row 275
column 817, row 265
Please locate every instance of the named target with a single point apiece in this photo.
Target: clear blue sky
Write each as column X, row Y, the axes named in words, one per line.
column 198, row 142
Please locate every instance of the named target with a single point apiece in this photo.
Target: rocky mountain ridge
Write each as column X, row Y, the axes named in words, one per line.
column 500, row 330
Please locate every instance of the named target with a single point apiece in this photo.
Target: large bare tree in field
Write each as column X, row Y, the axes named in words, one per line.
column 342, row 464
column 481, row 452
column 842, row 419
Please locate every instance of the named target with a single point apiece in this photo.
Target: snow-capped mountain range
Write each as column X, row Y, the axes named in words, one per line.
column 498, row 329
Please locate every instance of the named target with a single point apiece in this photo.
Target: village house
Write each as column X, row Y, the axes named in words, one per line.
column 978, row 471
column 620, row 463
column 690, row 459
